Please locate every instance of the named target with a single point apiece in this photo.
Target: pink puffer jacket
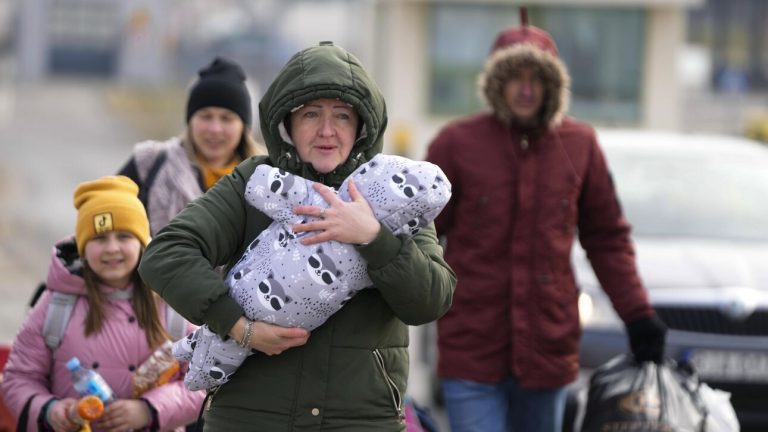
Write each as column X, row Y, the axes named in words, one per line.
column 33, row 371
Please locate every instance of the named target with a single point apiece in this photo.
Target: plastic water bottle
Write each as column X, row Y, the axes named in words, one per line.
column 89, row 382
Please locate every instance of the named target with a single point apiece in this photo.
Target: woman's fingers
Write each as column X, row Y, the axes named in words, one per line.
column 271, row 339
column 350, row 222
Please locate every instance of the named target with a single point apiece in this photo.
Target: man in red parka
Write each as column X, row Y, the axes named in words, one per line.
column 527, row 179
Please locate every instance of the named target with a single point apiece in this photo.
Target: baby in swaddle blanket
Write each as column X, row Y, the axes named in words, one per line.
column 281, row 281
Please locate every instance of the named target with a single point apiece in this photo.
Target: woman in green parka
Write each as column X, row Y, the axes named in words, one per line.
column 321, row 118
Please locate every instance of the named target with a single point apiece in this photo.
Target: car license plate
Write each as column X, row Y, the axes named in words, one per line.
column 731, row 366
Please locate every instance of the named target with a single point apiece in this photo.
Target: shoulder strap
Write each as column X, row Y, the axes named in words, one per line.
column 57, row 317
column 146, row 183
column 149, row 157
column 175, row 324
column 145, row 155
column 60, row 310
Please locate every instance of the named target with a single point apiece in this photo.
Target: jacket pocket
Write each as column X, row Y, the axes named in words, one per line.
column 394, row 392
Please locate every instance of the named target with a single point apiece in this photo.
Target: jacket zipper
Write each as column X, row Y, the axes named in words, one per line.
column 394, row 392
column 210, row 398
column 516, row 162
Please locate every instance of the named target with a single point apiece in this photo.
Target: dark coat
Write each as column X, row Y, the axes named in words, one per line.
column 352, row 373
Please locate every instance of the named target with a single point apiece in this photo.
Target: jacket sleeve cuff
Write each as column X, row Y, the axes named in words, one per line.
column 42, row 416
column 154, row 422
column 222, row 315
column 382, row 250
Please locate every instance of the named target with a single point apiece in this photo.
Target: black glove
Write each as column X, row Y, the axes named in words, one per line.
column 646, row 339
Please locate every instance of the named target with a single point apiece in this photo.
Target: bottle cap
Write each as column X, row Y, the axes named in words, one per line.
column 73, row 363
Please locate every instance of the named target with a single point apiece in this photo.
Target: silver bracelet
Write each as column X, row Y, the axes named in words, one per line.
column 245, row 341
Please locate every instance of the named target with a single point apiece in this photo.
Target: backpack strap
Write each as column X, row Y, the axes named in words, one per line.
column 60, row 311
column 148, row 158
column 146, row 183
column 57, row 317
column 175, row 324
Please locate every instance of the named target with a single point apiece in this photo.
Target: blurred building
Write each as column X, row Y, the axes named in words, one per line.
column 155, row 42
column 82, row 37
column 730, row 38
column 623, row 55
column 735, row 35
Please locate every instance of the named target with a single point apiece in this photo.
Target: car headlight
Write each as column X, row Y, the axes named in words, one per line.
column 595, row 310
column 586, row 308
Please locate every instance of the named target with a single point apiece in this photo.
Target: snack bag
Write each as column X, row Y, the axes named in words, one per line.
column 157, row 370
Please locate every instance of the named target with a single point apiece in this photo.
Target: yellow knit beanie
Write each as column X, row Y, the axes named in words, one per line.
column 106, row 204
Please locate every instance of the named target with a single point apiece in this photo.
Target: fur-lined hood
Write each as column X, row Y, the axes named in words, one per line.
column 526, row 46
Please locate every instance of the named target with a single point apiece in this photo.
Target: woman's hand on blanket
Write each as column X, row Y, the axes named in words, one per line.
column 272, row 339
column 346, row 222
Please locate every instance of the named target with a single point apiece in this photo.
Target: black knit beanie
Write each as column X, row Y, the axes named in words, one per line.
column 221, row 84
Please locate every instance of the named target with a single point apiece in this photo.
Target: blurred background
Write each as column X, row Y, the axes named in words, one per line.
column 81, row 81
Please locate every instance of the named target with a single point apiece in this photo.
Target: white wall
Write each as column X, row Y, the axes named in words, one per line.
column 662, row 89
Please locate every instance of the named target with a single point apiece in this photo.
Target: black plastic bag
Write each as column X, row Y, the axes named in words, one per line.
column 625, row 396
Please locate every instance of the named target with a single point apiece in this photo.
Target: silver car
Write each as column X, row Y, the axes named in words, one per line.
column 698, row 206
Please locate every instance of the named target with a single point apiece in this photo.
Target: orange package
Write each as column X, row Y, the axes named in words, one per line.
column 157, row 370
column 86, row 409
column 90, row 408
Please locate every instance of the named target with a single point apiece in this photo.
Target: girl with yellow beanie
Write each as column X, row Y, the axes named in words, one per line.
column 116, row 323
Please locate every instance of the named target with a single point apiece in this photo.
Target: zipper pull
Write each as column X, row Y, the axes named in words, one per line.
column 209, row 398
column 524, row 142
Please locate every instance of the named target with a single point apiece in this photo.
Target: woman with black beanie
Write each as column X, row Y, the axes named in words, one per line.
column 172, row 173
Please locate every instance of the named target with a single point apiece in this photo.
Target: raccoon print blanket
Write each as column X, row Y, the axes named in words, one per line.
column 281, row 281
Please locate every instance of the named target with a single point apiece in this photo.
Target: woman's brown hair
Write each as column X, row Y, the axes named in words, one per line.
column 247, row 147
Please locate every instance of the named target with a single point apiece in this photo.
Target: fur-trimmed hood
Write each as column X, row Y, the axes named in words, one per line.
column 513, row 49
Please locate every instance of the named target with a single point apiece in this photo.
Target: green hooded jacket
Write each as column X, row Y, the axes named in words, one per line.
column 352, row 373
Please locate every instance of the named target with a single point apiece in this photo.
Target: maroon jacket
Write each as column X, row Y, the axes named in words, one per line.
column 518, row 202
column 510, row 227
